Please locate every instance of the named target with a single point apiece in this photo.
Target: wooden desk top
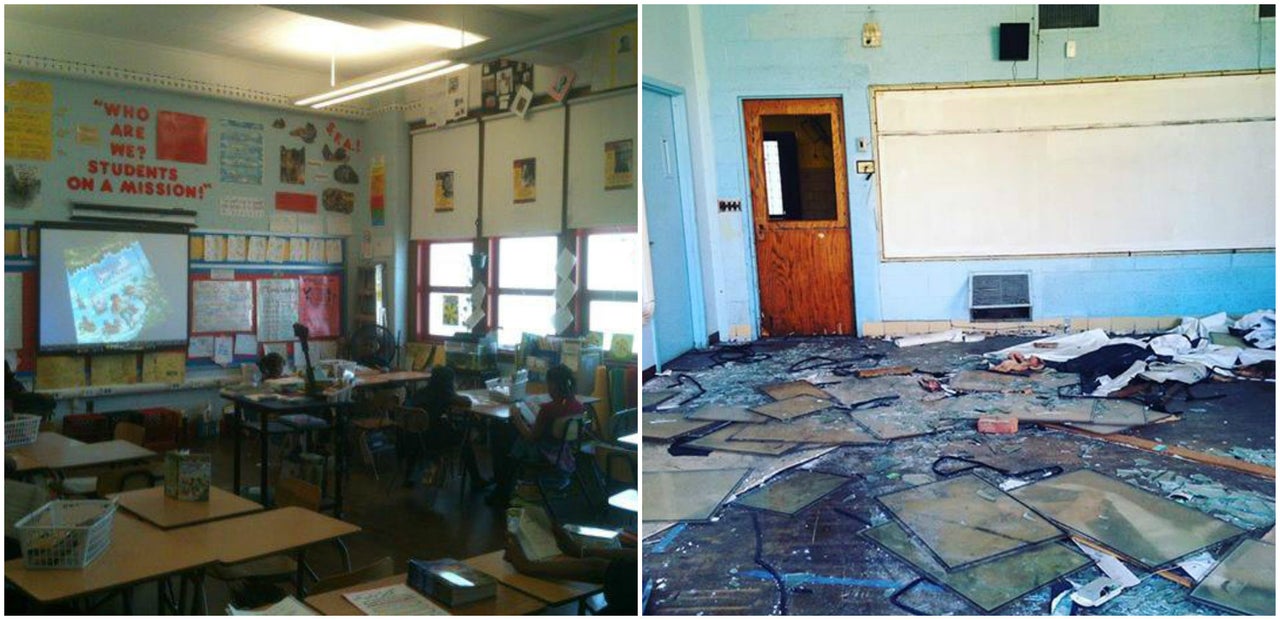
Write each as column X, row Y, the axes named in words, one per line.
column 54, row 451
column 508, row 601
column 390, row 378
column 138, row 552
column 48, row 446
column 259, row 534
column 554, row 592
column 153, row 506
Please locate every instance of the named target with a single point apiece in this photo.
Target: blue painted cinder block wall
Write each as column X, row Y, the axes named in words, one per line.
column 753, row 51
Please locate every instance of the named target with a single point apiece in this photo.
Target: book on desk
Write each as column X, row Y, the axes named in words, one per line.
column 451, row 582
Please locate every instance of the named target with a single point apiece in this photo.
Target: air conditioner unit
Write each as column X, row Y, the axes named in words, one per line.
column 1000, row 296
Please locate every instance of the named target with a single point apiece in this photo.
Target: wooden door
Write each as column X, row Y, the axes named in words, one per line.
column 796, row 158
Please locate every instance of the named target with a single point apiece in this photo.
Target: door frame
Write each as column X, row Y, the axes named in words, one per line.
column 684, row 170
column 748, row 210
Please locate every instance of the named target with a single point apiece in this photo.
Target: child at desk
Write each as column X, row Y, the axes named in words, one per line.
column 543, row 438
column 436, row 400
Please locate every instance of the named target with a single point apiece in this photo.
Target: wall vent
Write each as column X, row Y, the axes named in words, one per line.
column 1000, row 296
column 1058, row 16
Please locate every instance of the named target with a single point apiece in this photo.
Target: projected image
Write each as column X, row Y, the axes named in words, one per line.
column 115, row 294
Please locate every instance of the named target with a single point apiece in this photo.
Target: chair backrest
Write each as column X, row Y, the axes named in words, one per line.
column 130, row 432
column 623, row 423
column 619, row 463
column 298, row 492
column 378, row 570
column 411, row 419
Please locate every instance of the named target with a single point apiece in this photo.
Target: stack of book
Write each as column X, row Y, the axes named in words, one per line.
column 451, row 582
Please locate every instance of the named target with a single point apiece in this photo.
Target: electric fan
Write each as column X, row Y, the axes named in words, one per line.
column 374, row 346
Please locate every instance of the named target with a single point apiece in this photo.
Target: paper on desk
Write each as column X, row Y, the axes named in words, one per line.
column 288, row 606
column 222, row 350
column 397, row 600
column 565, row 263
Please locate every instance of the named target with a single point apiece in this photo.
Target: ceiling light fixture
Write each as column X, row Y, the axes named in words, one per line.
column 369, row 88
column 400, row 75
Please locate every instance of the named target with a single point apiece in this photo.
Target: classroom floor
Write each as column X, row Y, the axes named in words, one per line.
column 399, row 522
column 750, row 561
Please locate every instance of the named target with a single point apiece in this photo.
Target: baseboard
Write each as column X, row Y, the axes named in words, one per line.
column 1112, row 325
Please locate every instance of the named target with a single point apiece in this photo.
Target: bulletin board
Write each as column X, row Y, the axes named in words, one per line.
column 539, row 136
column 446, row 183
column 602, row 160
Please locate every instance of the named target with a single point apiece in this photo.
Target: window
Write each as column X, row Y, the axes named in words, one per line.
column 526, row 287
column 445, row 292
column 612, row 296
column 1058, row 16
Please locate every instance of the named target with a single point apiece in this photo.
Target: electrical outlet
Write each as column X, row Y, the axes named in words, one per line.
column 729, row 205
column 862, row 145
column 866, row 166
column 1071, row 49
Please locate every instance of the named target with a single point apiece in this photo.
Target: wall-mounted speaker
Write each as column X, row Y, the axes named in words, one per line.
column 1015, row 41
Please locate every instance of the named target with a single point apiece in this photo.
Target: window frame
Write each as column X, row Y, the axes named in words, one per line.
column 582, row 316
column 423, row 289
column 496, row 291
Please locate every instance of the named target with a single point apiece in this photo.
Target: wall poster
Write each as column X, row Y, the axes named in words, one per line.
column 524, row 180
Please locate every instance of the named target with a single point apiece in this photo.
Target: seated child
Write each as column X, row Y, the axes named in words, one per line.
column 438, row 397
column 542, row 440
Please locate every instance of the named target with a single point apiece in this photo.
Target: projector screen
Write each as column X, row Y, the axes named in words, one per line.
column 111, row 289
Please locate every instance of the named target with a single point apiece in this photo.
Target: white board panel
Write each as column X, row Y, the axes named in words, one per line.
column 1062, row 188
column 540, row 135
column 457, row 150
column 592, row 125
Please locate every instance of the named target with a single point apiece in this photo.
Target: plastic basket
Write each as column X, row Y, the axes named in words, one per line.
column 66, row 533
column 504, row 391
column 22, row 430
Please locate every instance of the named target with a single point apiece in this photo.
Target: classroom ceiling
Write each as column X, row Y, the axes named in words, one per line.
column 362, row 39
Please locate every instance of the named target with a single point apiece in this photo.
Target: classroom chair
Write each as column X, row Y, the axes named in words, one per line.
column 87, row 427
column 87, row 486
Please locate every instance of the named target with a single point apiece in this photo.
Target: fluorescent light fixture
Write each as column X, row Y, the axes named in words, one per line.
column 385, row 86
column 374, row 82
column 318, row 37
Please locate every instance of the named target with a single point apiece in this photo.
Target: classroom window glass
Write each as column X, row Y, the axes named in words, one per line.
column 450, row 264
column 527, row 263
column 613, row 283
column 518, row 314
column 445, row 291
column 612, row 318
column 446, row 313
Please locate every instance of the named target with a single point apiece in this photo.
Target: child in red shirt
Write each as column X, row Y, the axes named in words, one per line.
column 544, row 439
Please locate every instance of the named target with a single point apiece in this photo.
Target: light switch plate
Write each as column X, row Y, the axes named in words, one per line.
column 866, row 166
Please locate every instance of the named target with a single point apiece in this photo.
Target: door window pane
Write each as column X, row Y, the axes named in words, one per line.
column 773, row 179
column 527, row 262
column 805, row 166
column 449, row 264
column 612, row 262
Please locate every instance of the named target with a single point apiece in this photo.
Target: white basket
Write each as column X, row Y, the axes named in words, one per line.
column 503, row 391
column 22, row 430
column 66, row 533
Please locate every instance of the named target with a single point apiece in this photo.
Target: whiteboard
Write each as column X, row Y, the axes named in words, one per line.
column 593, row 124
column 540, row 136
column 454, row 149
column 1169, row 164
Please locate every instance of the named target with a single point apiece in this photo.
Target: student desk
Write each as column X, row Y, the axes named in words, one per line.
column 268, row 408
column 390, row 379
column 56, row 452
column 153, row 506
column 553, row 592
column 508, row 602
column 140, row 552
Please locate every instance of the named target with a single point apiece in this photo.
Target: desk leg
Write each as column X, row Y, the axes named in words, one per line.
column 298, row 585
column 340, row 456
column 236, row 421
column 265, row 441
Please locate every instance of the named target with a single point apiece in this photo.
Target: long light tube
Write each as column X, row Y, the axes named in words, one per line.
column 378, row 89
column 374, row 82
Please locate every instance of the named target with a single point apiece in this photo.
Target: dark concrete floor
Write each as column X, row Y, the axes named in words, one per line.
column 728, row 565
column 395, row 521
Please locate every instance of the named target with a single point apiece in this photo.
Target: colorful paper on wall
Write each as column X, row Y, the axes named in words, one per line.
column 223, row 346
column 524, row 180
column 320, row 307
column 444, row 191
column 619, row 164
column 333, row 251
column 215, row 249
column 300, row 203
column 315, row 251
column 221, row 306
column 310, row 224
column 164, row 367
column 378, row 191
column 28, row 120
column 338, row 223
column 298, row 250
column 240, row 155
column 246, row 344
column 55, row 372
column 282, row 222
column 257, row 250
column 277, row 309
column 293, row 165
column 242, row 206
column 113, row 370
column 200, row 346
column 22, row 186
column 277, row 250
column 237, row 248
column 182, row 137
